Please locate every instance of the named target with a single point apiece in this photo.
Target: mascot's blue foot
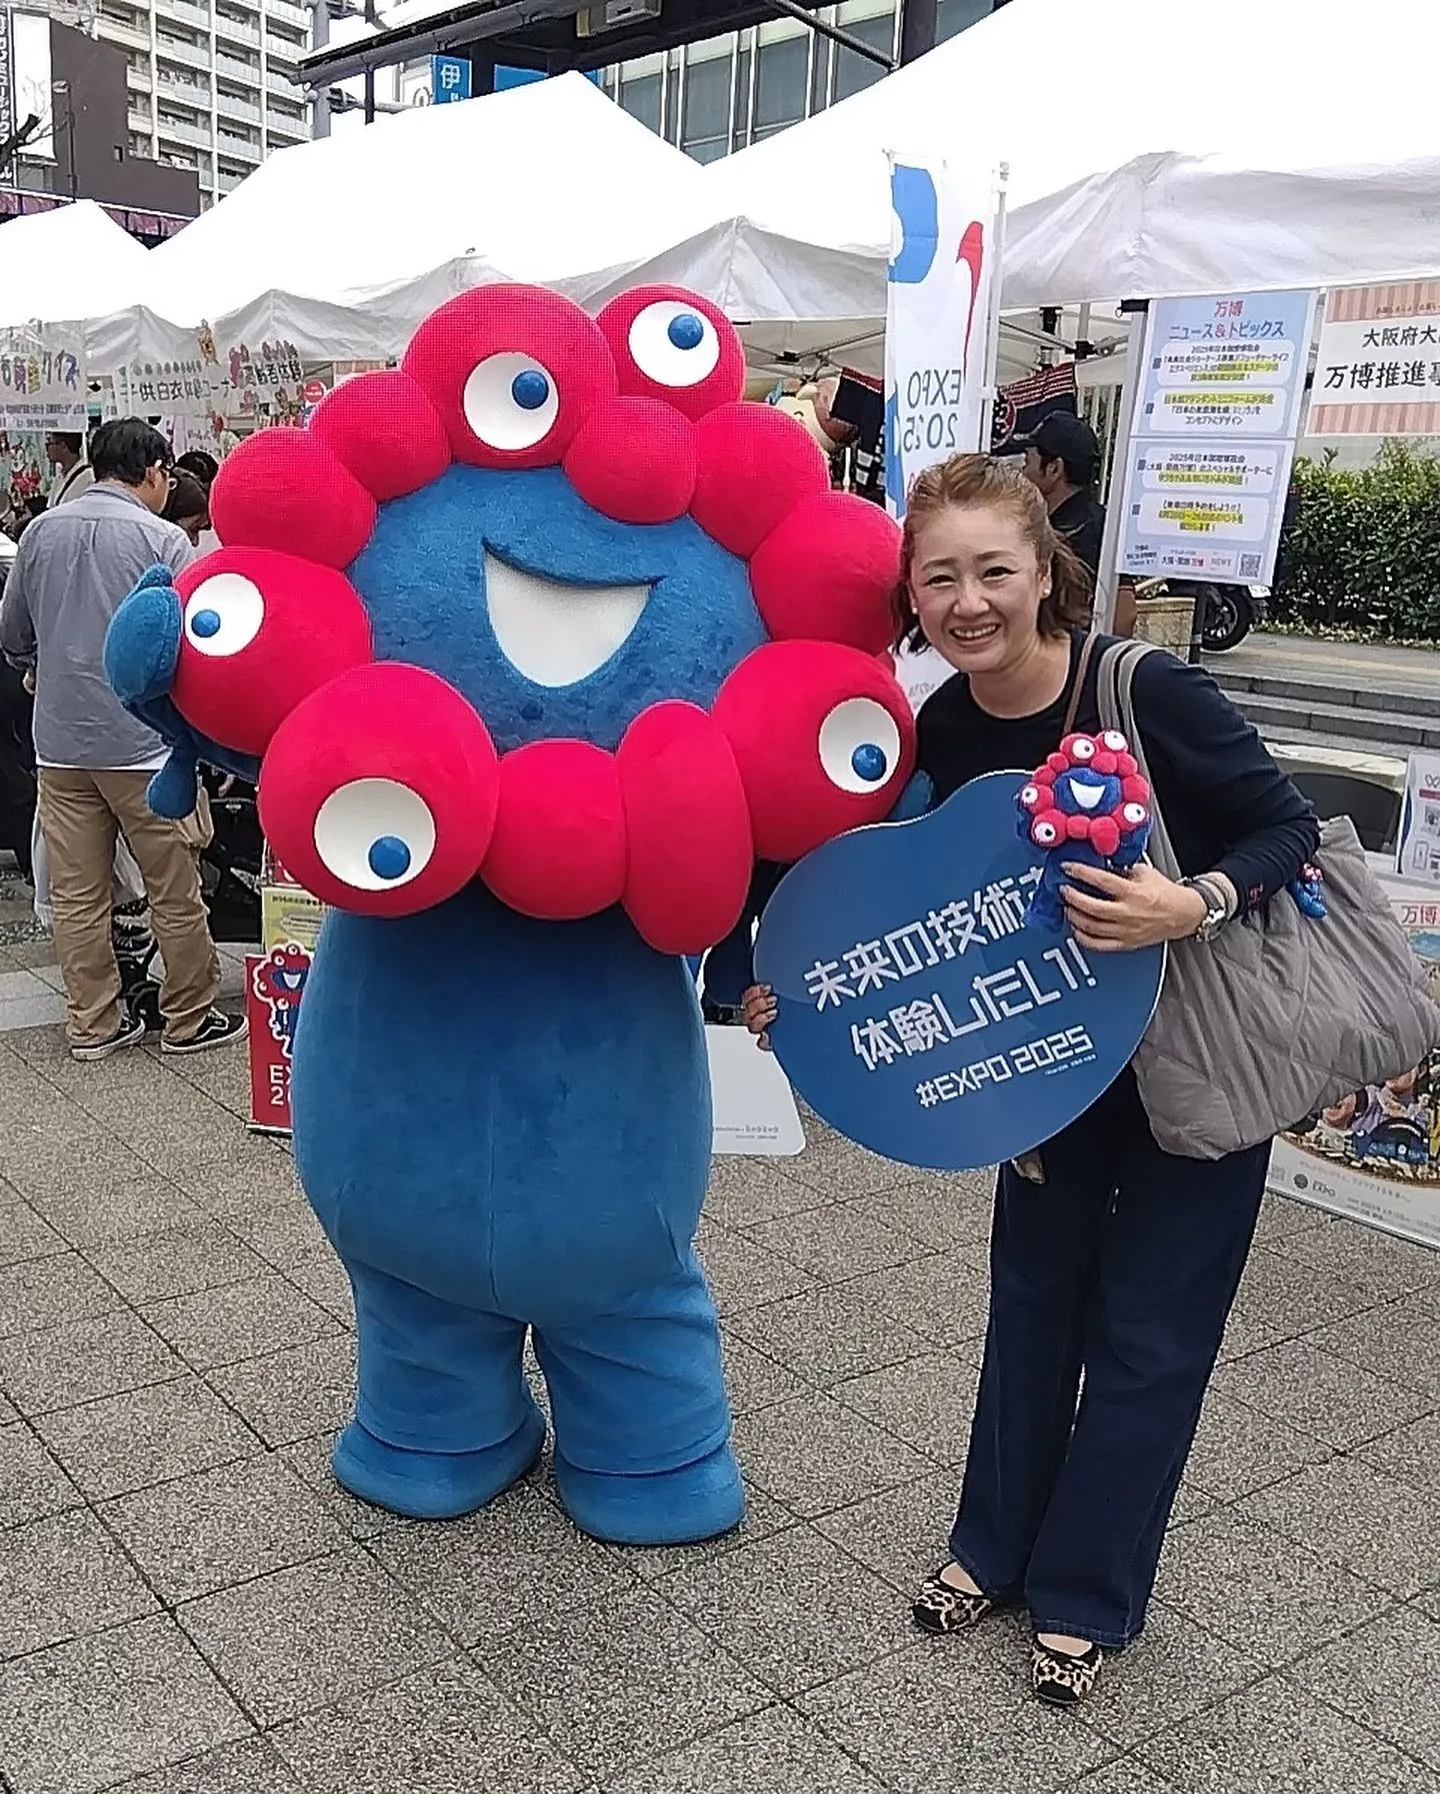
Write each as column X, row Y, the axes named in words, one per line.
column 433, row 1485
column 670, row 1507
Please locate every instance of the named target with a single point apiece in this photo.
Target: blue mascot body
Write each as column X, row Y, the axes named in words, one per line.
column 533, row 649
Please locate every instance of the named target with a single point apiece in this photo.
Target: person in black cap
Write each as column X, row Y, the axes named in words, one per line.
column 1062, row 459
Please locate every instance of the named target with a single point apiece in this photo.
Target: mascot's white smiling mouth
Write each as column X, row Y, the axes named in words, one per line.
column 1087, row 796
column 554, row 634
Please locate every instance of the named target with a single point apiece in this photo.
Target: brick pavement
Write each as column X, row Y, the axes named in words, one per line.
column 188, row 1605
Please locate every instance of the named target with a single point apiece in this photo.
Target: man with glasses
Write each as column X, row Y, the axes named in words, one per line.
column 75, row 566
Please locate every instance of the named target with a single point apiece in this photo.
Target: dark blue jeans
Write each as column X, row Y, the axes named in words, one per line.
column 1121, row 1267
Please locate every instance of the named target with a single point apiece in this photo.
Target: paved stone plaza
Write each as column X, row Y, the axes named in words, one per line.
column 188, row 1605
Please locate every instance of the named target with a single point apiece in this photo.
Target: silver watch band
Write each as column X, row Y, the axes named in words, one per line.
column 1217, row 906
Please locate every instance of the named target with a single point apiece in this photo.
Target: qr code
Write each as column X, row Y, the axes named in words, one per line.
column 1250, row 566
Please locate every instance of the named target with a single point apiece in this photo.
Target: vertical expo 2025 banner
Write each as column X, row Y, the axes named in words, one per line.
column 937, row 318
column 1374, row 1156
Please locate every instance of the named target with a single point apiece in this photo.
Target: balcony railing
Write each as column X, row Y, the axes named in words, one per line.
column 191, row 55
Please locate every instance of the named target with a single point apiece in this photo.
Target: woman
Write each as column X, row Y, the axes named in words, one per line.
column 1111, row 1260
column 199, row 465
column 188, row 506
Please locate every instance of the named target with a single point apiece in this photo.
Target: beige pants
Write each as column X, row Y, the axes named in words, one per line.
column 80, row 813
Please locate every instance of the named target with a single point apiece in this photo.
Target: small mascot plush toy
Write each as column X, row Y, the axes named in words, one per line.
column 1309, row 893
column 1087, row 805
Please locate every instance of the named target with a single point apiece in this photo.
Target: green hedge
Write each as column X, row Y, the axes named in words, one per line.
column 1361, row 550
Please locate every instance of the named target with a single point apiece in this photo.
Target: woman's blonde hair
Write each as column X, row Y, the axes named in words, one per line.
column 983, row 482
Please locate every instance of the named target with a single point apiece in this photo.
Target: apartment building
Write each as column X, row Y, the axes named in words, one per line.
column 211, row 82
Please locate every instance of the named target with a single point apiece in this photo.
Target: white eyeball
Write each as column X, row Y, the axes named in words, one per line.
column 1135, row 814
column 511, row 402
column 223, row 614
column 859, row 745
column 1114, row 741
column 1083, row 749
column 1045, row 834
column 1030, row 796
column 375, row 834
column 674, row 344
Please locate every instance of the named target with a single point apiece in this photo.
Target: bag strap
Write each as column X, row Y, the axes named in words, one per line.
column 1116, row 696
column 1077, row 691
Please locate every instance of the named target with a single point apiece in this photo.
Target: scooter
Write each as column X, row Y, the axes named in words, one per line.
column 1230, row 613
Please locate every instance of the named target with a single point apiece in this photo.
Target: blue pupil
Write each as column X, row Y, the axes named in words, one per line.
column 686, row 331
column 530, row 389
column 389, row 857
column 205, row 623
column 869, row 762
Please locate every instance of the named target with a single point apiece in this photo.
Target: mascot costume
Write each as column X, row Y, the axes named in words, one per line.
column 534, row 645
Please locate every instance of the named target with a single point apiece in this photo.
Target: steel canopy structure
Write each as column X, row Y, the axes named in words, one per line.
column 555, row 36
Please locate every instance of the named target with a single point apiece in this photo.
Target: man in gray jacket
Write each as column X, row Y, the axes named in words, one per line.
column 75, row 565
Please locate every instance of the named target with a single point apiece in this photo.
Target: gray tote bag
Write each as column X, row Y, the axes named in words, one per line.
column 1281, row 1015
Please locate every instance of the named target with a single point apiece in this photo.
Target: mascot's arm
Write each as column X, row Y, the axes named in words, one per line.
column 142, row 648
column 916, row 799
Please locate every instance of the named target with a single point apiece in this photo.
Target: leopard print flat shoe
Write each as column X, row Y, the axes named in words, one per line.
column 941, row 1607
column 1063, row 1680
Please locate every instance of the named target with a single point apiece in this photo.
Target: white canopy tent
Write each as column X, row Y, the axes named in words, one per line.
column 342, row 246
column 67, row 264
column 1152, row 149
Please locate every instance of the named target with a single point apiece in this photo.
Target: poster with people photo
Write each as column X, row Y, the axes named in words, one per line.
column 1374, row 1156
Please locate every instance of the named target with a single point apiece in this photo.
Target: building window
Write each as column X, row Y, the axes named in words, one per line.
column 640, row 96
column 782, row 77
column 952, row 16
column 705, row 124
column 874, row 25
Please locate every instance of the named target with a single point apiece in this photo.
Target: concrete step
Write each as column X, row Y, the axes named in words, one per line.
column 1290, row 717
column 1301, row 694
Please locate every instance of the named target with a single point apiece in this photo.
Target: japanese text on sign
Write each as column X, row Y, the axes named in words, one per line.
column 1015, row 990
column 42, row 380
column 1377, row 366
column 908, row 978
column 990, row 915
column 1224, row 382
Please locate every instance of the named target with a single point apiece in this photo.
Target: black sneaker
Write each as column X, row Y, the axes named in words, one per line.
column 130, row 1033
column 216, row 1030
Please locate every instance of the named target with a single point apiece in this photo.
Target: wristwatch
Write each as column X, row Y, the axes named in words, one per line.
column 1217, row 908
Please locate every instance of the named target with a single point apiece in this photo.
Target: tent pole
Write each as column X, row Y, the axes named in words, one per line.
column 1107, row 574
column 992, row 322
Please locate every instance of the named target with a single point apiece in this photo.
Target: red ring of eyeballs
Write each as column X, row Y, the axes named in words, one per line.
column 1108, row 754
column 641, row 408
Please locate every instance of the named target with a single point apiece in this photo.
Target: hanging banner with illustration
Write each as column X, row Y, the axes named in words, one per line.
column 241, row 383
column 267, row 380
column 190, row 387
column 43, row 381
column 1377, row 369
column 1207, row 467
column 1374, row 1156
column 937, row 319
